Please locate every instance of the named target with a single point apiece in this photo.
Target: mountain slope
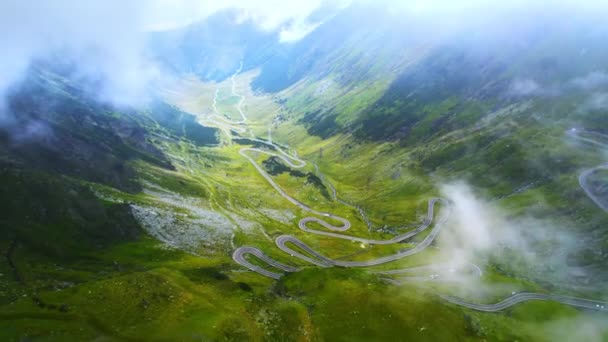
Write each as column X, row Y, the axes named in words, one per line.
column 121, row 223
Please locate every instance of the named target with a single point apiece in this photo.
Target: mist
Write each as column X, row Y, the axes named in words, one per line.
column 102, row 38
column 107, row 39
column 480, row 232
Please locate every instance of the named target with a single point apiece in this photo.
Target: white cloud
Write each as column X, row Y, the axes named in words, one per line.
column 477, row 231
column 103, row 37
column 267, row 14
column 591, row 81
column 106, row 39
column 597, row 101
column 529, row 87
column 525, row 87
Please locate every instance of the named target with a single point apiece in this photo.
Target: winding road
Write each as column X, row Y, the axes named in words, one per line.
column 309, row 255
column 583, row 177
column 423, row 226
column 583, row 181
column 527, row 296
column 435, row 276
column 345, row 223
column 228, row 125
column 240, row 259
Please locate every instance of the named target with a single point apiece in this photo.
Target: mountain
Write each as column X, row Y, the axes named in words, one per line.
column 389, row 176
column 212, row 49
column 491, row 107
column 56, row 143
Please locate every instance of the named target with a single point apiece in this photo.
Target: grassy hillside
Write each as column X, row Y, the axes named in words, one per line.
column 119, row 224
column 526, row 171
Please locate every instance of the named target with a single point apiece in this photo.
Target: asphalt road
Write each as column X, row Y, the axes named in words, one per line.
column 239, row 257
column 584, row 183
column 318, row 259
column 224, row 123
column 527, row 296
column 345, row 223
column 435, row 268
column 423, row 226
column 335, row 197
column 594, row 139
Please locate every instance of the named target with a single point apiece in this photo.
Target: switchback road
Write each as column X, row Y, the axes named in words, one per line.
column 320, row 260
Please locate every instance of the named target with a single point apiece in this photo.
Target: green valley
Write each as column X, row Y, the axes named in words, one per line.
column 363, row 172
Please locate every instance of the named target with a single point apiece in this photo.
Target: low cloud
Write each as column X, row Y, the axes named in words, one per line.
column 106, row 40
column 103, row 39
column 525, row 87
column 480, row 232
column 475, row 229
column 596, row 83
column 596, row 101
column 31, row 130
column 579, row 328
column 592, row 81
column 293, row 21
column 268, row 15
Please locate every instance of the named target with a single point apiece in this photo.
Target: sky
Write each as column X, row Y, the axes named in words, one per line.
column 107, row 37
column 291, row 19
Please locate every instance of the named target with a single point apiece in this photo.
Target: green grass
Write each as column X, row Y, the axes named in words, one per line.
column 89, row 255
